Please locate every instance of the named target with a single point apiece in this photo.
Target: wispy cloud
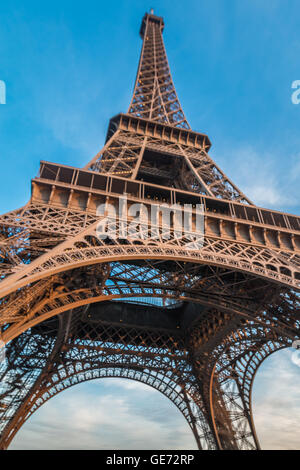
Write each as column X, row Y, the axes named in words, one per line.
column 122, row 414
column 260, row 175
column 277, row 402
column 128, row 385
column 106, row 414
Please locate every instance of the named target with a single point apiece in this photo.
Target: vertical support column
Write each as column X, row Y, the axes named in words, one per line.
column 36, row 350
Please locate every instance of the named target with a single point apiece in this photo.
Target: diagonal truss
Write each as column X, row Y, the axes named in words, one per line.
column 125, row 155
column 154, row 95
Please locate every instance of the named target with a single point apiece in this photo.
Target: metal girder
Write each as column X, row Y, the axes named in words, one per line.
column 83, row 351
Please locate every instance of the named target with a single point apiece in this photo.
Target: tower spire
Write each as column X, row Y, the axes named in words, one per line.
column 154, row 95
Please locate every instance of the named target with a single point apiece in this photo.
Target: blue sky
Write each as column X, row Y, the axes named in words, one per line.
column 69, row 67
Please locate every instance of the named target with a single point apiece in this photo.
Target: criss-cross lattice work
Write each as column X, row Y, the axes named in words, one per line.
column 154, row 95
column 193, row 318
column 125, row 155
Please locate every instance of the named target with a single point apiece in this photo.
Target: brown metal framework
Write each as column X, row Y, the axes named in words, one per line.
column 194, row 323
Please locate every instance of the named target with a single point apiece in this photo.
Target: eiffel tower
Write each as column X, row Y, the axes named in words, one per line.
column 194, row 323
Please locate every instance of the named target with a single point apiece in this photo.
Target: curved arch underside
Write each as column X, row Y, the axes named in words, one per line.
column 200, row 346
column 217, row 313
column 81, row 352
column 209, row 385
column 230, row 291
column 86, row 249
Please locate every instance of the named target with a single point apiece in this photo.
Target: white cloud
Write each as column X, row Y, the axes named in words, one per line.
column 122, row 414
column 128, row 385
column 262, row 176
column 87, row 417
column 276, row 403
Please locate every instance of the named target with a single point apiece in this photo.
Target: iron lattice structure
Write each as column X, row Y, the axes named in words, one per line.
column 193, row 323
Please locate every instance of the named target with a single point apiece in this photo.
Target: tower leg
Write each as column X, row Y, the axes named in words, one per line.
column 29, row 358
column 81, row 352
